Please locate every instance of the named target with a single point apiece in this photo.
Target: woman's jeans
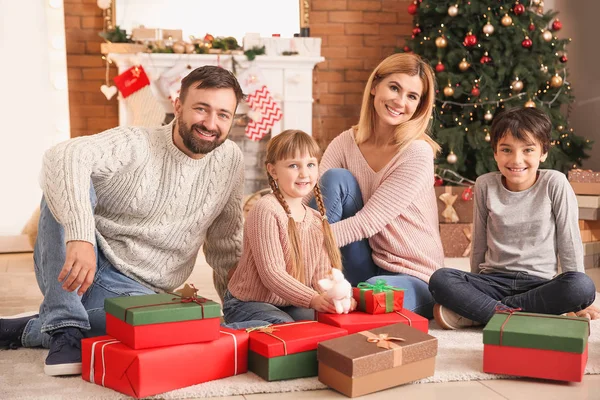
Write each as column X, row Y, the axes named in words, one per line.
column 477, row 296
column 61, row 308
column 343, row 199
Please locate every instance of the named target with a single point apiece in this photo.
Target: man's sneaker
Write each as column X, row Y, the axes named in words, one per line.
column 11, row 330
column 64, row 357
column 448, row 319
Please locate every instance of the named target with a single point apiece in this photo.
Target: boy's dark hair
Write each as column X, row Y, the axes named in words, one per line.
column 522, row 123
column 211, row 77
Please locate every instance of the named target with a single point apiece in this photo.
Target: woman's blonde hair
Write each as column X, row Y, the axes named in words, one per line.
column 289, row 144
column 418, row 126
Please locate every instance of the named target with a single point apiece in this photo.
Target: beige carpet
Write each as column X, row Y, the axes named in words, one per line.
column 460, row 358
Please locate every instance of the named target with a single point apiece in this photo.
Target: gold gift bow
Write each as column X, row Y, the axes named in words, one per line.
column 469, row 235
column 449, row 213
column 384, row 341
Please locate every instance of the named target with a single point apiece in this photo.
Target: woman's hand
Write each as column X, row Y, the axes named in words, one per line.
column 322, row 303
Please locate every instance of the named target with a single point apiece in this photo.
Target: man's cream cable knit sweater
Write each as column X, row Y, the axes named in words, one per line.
column 156, row 206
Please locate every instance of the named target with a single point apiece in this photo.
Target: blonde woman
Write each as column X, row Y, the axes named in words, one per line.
column 377, row 181
column 288, row 246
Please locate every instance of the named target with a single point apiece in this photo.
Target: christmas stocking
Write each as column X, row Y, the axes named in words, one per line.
column 143, row 109
column 265, row 112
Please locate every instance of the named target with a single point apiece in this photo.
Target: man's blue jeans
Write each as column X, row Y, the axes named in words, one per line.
column 249, row 314
column 343, row 199
column 59, row 307
column 477, row 296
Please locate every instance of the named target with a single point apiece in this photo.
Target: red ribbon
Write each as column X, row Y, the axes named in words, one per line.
column 512, row 311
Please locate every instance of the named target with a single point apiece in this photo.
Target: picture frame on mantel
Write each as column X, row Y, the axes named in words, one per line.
column 110, row 17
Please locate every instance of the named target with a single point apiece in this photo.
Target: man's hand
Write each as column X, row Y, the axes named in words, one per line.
column 592, row 312
column 80, row 267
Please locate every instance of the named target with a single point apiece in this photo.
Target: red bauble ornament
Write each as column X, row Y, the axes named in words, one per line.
column 527, row 43
column 563, row 59
column 413, row 8
column 438, row 181
column 532, row 27
column 556, row 25
column 470, row 40
column 416, row 31
column 467, row 194
column 519, row 9
column 439, row 67
column 407, row 49
column 485, row 59
column 475, row 91
column 209, row 38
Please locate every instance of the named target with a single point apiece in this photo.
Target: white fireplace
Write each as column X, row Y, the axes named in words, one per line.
column 288, row 78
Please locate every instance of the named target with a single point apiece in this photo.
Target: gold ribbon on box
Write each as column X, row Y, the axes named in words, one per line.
column 449, row 213
column 384, row 341
column 269, row 329
column 469, row 235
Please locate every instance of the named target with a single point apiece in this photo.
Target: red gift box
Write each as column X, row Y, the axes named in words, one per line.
column 140, row 373
column 358, row 321
column 534, row 363
column 164, row 334
column 378, row 300
column 295, row 337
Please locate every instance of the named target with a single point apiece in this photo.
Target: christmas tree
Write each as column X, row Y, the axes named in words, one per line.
column 488, row 55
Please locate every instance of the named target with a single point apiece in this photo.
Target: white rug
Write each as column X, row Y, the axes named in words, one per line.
column 459, row 358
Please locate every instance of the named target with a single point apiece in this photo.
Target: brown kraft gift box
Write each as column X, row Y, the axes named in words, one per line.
column 369, row 361
column 452, row 208
column 584, row 176
column 456, row 239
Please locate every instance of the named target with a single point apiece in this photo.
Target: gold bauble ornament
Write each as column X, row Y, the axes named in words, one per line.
column 506, row 20
column 516, row 86
column 529, row 104
column 487, row 137
column 452, row 159
column 556, row 81
column 178, row 48
column 560, row 128
column 488, row 28
column 441, row 42
column 547, row 35
column 448, row 91
column 190, row 48
column 488, row 116
column 453, row 11
column 463, row 65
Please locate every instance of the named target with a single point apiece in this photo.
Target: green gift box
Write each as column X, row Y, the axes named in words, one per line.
column 160, row 308
column 292, row 366
column 537, row 331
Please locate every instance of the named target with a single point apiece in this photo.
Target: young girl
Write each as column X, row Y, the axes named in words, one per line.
column 288, row 247
column 377, row 180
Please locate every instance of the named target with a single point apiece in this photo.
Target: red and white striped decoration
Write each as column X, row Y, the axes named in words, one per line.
column 262, row 102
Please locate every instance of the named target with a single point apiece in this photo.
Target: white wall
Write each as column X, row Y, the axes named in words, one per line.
column 34, row 107
column 580, row 19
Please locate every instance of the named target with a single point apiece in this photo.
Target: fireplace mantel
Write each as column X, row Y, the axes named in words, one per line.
column 289, row 79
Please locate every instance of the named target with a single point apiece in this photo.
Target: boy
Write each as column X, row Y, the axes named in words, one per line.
column 523, row 219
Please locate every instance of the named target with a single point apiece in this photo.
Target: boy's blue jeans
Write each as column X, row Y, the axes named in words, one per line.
column 59, row 307
column 476, row 296
column 343, row 199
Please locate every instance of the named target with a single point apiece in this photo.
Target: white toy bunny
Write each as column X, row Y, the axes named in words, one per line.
column 339, row 290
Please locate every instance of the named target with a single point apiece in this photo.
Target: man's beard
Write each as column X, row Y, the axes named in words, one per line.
column 194, row 143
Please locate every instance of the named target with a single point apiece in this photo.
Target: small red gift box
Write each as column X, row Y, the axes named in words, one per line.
column 140, row 373
column 295, row 337
column 358, row 321
column 379, row 298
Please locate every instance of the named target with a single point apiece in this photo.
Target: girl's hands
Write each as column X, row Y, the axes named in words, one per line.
column 322, row 303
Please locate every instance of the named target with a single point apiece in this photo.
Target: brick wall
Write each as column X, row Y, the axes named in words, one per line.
column 90, row 111
column 357, row 35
